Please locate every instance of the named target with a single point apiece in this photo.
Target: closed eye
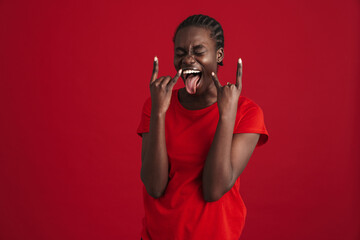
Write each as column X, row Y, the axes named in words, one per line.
column 180, row 54
column 200, row 53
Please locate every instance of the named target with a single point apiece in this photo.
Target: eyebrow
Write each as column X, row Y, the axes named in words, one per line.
column 195, row 47
column 198, row 46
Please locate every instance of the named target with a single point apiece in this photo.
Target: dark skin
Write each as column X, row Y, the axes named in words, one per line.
column 229, row 153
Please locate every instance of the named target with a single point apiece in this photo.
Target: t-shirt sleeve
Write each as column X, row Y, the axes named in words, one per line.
column 145, row 118
column 251, row 120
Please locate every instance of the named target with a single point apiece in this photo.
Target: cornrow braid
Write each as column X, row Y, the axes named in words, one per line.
column 206, row 22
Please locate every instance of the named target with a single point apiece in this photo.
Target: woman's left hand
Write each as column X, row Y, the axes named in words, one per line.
column 228, row 95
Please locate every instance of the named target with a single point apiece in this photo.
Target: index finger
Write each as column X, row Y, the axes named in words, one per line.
column 174, row 80
column 155, row 70
column 239, row 74
column 216, row 80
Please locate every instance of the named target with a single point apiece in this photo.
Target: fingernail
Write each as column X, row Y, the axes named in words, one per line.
column 240, row 61
column 155, row 59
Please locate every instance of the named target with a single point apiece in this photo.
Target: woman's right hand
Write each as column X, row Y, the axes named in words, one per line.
column 161, row 89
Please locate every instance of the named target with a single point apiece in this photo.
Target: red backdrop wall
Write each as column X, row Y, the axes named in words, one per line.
column 74, row 76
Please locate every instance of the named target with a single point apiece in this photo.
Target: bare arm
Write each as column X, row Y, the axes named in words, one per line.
column 229, row 153
column 154, row 168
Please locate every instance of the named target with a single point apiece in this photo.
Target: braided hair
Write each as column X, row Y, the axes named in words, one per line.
column 206, row 22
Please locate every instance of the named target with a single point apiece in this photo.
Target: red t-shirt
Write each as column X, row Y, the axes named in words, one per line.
column 182, row 213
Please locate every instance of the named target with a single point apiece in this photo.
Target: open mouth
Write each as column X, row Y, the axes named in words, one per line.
column 192, row 80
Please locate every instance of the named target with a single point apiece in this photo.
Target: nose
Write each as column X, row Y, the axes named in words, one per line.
column 189, row 59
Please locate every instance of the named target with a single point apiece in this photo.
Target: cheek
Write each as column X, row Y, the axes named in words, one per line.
column 210, row 62
column 176, row 63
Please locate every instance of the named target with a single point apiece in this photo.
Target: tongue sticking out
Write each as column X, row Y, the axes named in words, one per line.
column 191, row 83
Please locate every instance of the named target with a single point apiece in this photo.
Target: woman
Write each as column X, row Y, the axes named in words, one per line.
column 196, row 141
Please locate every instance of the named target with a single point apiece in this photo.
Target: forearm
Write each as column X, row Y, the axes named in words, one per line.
column 154, row 169
column 218, row 172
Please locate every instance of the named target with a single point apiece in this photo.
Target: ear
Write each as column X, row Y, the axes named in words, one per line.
column 219, row 55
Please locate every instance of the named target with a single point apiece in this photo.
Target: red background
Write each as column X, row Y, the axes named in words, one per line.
column 74, row 76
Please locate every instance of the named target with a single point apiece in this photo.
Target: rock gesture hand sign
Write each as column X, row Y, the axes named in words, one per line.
column 161, row 89
column 228, row 95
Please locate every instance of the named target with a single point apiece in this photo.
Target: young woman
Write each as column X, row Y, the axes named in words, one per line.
column 196, row 141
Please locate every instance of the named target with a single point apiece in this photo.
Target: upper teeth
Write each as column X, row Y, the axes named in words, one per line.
column 190, row 71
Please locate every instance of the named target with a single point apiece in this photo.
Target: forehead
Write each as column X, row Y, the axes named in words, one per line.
column 193, row 35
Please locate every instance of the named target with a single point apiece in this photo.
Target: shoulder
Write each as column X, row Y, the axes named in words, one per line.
column 148, row 101
column 174, row 93
column 245, row 104
column 249, row 115
column 147, row 106
column 174, row 97
column 250, row 119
